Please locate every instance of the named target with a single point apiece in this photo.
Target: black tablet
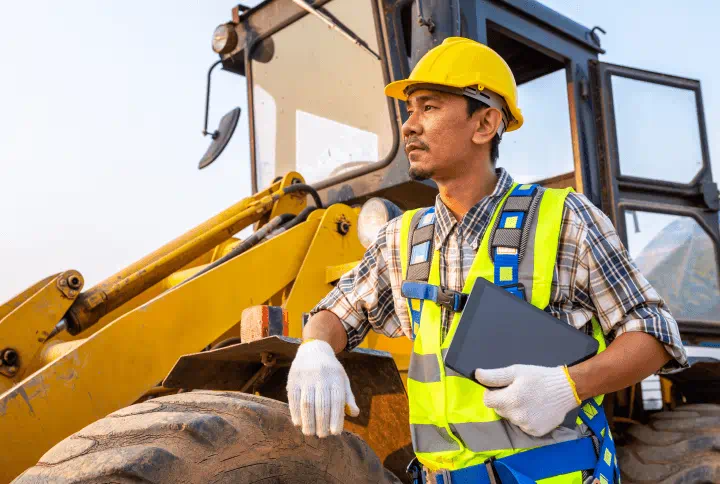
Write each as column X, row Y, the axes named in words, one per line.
column 498, row 329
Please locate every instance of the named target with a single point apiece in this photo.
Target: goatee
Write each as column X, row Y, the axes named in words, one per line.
column 419, row 174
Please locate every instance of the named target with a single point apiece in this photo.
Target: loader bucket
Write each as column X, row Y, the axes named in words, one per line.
column 262, row 366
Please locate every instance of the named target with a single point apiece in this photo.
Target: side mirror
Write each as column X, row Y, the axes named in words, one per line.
column 220, row 137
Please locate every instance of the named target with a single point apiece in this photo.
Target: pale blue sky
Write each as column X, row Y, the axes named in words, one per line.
column 102, row 107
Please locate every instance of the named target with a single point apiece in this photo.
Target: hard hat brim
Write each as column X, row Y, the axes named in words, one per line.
column 397, row 90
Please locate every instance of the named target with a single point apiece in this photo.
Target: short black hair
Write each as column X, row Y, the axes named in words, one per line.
column 472, row 106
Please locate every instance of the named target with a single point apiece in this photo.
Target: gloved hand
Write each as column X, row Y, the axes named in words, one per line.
column 318, row 389
column 535, row 398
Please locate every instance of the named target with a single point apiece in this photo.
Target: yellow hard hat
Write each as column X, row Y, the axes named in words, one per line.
column 462, row 63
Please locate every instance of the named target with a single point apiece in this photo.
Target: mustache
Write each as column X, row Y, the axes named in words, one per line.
column 415, row 143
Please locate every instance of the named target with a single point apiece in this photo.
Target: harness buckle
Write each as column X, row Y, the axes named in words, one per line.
column 452, row 300
column 517, row 289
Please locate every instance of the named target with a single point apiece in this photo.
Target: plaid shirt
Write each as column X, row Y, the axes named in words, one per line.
column 593, row 275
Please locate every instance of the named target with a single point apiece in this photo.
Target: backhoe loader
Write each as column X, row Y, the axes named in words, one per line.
column 174, row 369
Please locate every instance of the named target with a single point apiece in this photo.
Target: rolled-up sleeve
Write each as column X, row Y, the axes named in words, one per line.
column 363, row 297
column 621, row 296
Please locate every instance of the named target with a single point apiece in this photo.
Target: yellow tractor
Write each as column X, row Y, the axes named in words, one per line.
column 174, row 369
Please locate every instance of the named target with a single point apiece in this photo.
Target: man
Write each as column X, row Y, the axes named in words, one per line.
column 461, row 98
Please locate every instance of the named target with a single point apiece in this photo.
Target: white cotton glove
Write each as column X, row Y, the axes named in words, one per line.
column 318, row 390
column 535, row 398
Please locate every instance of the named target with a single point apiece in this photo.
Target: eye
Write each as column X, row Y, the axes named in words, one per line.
column 428, row 108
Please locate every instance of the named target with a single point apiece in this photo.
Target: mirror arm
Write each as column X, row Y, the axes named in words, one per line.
column 205, row 132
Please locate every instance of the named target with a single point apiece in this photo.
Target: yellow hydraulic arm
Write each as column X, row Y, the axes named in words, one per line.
column 60, row 386
column 27, row 320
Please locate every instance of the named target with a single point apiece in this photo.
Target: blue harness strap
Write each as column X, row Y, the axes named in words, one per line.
column 453, row 300
column 542, row 462
column 551, row 460
column 419, row 253
column 532, row 465
column 507, row 259
column 606, row 470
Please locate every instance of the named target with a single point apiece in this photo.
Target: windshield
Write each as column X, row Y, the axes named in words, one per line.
column 318, row 97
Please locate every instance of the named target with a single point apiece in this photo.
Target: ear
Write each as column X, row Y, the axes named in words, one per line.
column 487, row 124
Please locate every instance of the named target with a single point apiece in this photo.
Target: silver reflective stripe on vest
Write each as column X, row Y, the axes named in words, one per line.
column 424, row 368
column 430, row 438
column 501, row 434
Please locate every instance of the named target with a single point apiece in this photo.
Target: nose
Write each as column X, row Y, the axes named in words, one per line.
column 411, row 126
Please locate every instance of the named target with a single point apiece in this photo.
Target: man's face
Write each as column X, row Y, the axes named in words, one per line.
column 438, row 135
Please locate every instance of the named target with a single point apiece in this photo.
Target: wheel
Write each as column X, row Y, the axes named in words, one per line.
column 680, row 446
column 206, row 437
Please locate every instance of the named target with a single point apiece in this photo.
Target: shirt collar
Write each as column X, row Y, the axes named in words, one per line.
column 474, row 222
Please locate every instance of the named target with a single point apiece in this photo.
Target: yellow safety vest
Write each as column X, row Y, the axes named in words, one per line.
column 451, row 427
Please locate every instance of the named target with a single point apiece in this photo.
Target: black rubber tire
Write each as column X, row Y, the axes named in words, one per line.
column 206, row 437
column 680, row 446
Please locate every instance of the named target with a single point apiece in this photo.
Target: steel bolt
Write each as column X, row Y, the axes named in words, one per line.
column 343, row 227
column 62, row 282
column 10, row 357
column 74, row 282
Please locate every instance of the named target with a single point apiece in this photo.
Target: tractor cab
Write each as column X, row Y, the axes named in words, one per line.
column 315, row 74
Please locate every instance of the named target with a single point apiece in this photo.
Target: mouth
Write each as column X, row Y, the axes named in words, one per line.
column 414, row 146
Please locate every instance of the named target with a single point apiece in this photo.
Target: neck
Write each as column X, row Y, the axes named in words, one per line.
column 460, row 194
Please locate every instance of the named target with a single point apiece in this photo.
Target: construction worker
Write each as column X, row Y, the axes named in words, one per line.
column 552, row 248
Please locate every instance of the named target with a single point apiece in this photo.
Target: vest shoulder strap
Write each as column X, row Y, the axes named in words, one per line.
column 420, row 245
column 512, row 225
column 510, row 231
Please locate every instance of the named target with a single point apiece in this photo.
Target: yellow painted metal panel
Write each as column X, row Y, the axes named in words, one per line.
column 57, row 348
column 328, row 247
column 331, row 251
column 334, row 273
column 293, row 203
column 25, row 328
column 16, row 301
column 154, row 291
column 118, row 364
column 317, row 214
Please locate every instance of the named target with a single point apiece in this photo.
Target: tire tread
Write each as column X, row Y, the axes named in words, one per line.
column 206, row 436
column 676, row 447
